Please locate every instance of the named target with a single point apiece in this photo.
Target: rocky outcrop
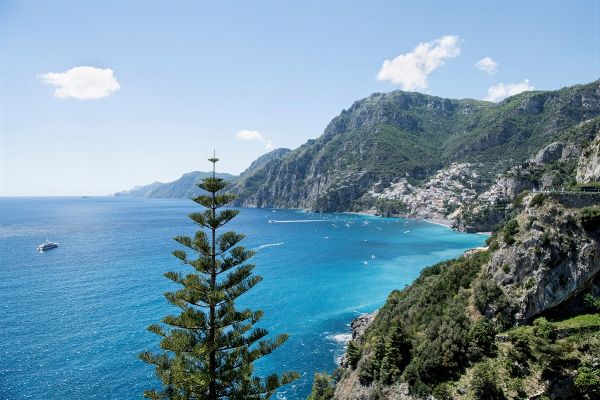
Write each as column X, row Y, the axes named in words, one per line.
column 588, row 168
column 545, row 259
column 556, row 151
column 422, row 156
column 358, row 326
column 361, row 323
column 351, row 389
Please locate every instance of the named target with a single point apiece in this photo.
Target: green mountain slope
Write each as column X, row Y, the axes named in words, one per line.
column 387, row 137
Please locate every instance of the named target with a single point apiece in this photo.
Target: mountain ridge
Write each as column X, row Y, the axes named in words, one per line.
column 183, row 187
column 387, row 137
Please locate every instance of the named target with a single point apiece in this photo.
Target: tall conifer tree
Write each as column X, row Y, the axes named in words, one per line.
column 210, row 347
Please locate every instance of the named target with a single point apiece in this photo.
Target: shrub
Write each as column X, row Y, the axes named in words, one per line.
column 323, row 387
column 592, row 302
column 481, row 339
column 368, row 370
column 589, row 217
column 588, row 382
column 396, row 354
column 509, row 231
column 491, row 301
column 530, row 283
column 520, row 352
column 445, row 355
column 537, row 200
column 353, row 353
column 484, row 383
column 544, row 329
column 518, row 201
column 546, row 241
column 442, row 392
column 492, row 243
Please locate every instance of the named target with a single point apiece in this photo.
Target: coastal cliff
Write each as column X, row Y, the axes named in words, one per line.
column 588, row 168
column 518, row 320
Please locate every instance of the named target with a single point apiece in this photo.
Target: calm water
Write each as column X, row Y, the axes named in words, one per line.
column 72, row 320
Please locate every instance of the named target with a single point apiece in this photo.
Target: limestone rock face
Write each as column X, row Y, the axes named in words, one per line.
column 358, row 326
column 361, row 323
column 554, row 152
column 588, row 168
column 552, row 260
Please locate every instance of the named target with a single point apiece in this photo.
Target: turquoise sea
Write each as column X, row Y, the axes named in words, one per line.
column 73, row 319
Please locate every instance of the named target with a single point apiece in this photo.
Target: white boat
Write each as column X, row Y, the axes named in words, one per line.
column 47, row 245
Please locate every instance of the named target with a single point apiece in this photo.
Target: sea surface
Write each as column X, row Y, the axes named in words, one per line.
column 73, row 319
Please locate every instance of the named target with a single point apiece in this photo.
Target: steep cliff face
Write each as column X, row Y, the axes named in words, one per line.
column 546, row 257
column 389, row 138
column 588, row 169
column 264, row 160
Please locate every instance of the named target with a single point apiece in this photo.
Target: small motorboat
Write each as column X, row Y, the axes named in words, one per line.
column 47, row 245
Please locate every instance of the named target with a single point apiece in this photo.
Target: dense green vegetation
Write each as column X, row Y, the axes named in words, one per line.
column 209, row 348
column 590, row 217
column 423, row 334
column 323, row 387
column 383, row 207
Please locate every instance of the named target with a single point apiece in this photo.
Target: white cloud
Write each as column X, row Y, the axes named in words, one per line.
column 255, row 135
column 411, row 70
column 487, row 65
column 501, row 91
column 82, row 83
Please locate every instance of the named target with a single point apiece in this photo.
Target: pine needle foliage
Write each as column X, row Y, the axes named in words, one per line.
column 209, row 348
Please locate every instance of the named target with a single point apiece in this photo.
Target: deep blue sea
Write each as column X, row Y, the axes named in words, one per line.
column 73, row 319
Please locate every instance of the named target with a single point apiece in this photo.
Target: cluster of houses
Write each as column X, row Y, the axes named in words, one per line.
column 442, row 194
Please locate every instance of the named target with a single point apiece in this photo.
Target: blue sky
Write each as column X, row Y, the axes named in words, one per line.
column 171, row 80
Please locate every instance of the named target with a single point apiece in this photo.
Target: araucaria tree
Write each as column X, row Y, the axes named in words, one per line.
column 210, row 347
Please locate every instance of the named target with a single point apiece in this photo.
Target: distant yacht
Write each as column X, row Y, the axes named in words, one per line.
column 47, row 245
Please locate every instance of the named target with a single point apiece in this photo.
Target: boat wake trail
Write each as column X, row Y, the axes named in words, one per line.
column 275, row 221
column 262, row 246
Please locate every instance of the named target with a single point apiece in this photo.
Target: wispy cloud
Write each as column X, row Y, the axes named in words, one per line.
column 83, row 83
column 255, row 135
column 501, row 91
column 487, row 65
column 411, row 70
